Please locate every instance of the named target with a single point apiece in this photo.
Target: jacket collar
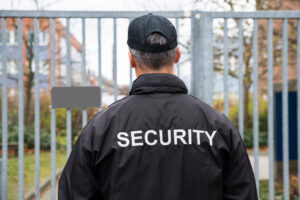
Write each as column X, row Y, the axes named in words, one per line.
column 158, row 83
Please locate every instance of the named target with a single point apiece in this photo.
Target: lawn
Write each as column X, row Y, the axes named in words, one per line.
column 45, row 171
column 264, row 190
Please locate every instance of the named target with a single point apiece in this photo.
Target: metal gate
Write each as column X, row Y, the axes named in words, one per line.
column 203, row 47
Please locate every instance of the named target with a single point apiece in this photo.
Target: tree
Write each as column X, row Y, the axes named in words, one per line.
column 233, row 5
column 28, row 43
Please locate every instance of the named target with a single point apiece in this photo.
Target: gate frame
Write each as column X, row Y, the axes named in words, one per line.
column 202, row 70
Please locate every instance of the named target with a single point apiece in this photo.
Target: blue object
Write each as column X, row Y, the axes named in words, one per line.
column 292, row 115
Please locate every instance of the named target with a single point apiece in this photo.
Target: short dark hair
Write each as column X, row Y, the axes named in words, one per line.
column 154, row 60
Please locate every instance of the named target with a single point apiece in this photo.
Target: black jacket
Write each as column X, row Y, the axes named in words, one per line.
column 159, row 143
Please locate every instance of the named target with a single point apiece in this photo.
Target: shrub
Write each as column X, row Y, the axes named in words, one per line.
column 293, row 188
column 248, row 138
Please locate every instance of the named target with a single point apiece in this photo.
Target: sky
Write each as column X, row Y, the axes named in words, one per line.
column 126, row 5
column 113, row 5
column 122, row 24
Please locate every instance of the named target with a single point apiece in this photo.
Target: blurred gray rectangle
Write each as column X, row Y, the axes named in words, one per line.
column 75, row 97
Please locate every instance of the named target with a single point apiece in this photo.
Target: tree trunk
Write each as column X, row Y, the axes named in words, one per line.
column 246, row 103
column 28, row 97
column 29, row 85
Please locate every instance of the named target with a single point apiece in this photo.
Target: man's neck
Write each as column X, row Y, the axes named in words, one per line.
column 164, row 69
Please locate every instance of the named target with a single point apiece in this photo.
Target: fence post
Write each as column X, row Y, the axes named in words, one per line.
column 202, row 57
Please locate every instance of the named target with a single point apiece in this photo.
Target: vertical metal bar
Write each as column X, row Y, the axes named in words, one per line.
column 255, row 105
column 4, row 113
column 202, row 58
column 69, row 112
column 36, row 110
column 99, row 62
column 53, row 120
column 84, row 81
column 177, row 29
column 285, row 120
column 115, row 61
column 21, row 110
column 298, row 99
column 225, row 67
column 270, row 110
column 241, row 78
column 207, row 56
column 130, row 69
column 130, row 76
column 195, row 32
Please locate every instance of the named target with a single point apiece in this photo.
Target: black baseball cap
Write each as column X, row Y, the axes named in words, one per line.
column 141, row 27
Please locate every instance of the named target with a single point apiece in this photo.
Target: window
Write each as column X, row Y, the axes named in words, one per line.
column 30, row 38
column 11, row 37
column 43, row 38
column 11, row 67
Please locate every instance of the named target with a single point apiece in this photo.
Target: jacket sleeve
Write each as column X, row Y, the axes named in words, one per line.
column 78, row 179
column 239, row 181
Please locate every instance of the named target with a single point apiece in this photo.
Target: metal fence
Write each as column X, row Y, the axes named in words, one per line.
column 202, row 79
column 204, row 63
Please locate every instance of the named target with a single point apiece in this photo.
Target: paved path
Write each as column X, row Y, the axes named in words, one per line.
column 46, row 195
column 263, row 165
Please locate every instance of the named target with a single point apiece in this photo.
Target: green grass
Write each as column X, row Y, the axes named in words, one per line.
column 45, row 171
column 264, row 189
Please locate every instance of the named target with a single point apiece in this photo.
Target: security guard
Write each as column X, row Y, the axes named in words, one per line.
column 159, row 143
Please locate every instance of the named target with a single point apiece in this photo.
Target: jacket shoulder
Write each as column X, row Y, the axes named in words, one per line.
column 111, row 109
column 207, row 110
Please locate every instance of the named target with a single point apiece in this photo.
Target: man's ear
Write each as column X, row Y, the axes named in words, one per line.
column 131, row 60
column 177, row 55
